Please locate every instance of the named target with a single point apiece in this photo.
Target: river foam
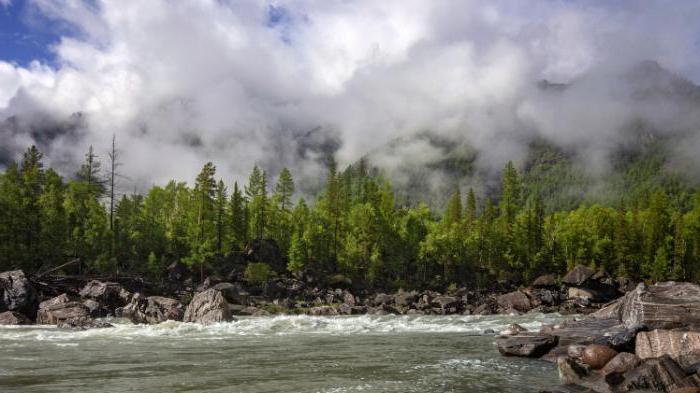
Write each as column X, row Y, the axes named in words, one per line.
column 288, row 325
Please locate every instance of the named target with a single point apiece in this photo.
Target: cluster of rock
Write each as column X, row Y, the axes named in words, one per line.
column 580, row 291
column 648, row 340
column 20, row 304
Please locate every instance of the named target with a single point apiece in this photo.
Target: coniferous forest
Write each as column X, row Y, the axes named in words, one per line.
column 356, row 226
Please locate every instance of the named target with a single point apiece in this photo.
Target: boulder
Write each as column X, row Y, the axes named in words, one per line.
column 17, row 293
column 110, row 295
column 587, row 294
column 383, row 298
column 13, row 318
column 665, row 305
column 545, row 281
column 578, row 275
column 95, row 308
column 615, row 369
column 404, row 298
column 572, row 372
column 659, row 374
column 59, row 309
column 445, row 302
column 152, row 309
column 349, row 299
column 597, row 356
column 516, row 300
column 208, row 307
column 233, row 293
column 530, row 345
column 675, row 344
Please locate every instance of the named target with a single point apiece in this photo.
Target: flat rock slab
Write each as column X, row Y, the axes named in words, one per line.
column 526, row 345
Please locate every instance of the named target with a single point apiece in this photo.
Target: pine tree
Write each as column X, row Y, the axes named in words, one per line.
column 90, row 174
column 453, row 211
column 221, row 217
column 470, row 209
column 511, row 193
column 239, row 225
column 256, row 191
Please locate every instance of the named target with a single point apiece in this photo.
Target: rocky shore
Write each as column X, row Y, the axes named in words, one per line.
column 646, row 341
column 625, row 336
column 79, row 302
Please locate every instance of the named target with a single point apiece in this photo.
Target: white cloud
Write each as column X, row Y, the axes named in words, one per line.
column 181, row 83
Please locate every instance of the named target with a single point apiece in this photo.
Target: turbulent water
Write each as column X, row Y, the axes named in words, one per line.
column 274, row 354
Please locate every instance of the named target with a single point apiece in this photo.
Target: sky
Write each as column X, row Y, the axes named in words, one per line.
column 287, row 82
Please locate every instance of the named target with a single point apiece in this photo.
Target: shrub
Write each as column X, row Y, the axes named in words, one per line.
column 257, row 273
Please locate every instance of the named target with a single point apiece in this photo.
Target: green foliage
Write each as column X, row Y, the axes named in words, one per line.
column 257, row 273
column 357, row 227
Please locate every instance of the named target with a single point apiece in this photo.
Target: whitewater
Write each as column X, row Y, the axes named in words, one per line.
column 274, row 354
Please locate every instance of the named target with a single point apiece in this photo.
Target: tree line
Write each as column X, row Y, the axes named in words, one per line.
column 356, row 226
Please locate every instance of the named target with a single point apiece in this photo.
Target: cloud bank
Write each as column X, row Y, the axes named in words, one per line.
column 286, row 82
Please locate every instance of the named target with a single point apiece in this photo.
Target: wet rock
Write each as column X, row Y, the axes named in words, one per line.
column 489, row 331
column 513, row 330
column 94, row 307
column 109, row 294
column 59, row 309
column 530, row 345
column 153, row 309
column 571, row 371
column 13, row 318
column 597, row 356
column 208, row 307
column 83, row 323
column 349, row 299
column 545, row 281
column 322, row 311
column 675, row 344
column 17, row 293
column 659, row 374
column 516, row 300
column 614, row 371
column 665, row 305
column 578, row 275
column 446, row 302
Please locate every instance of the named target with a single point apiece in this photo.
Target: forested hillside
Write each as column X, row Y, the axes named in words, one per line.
column 356, row 226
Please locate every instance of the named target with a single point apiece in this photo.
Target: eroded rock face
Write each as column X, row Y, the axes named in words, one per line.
column 531, row 345
column 13, row 318
column 152, row 309
column 661, row 374
column 208, row 307
column 665, row 342
column 516, row 300
column 59, row 309
column 109, row 294
column 665, row 305
column 17, row 293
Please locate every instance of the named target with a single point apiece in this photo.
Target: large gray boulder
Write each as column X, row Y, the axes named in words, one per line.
column 666, row 305
column 208, row 307
column 578, row 275
column 17, row 293
column 13, row 318
column 110, row 295
column 516, row 300
column 660, row 375
column 59, row 309
column 152, row 309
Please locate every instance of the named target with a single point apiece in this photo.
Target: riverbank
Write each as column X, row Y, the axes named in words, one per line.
column 76, row 301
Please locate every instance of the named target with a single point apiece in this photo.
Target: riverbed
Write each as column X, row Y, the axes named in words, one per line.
column 275, row 354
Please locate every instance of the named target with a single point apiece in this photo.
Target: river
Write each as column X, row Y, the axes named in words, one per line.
column 274, row 354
